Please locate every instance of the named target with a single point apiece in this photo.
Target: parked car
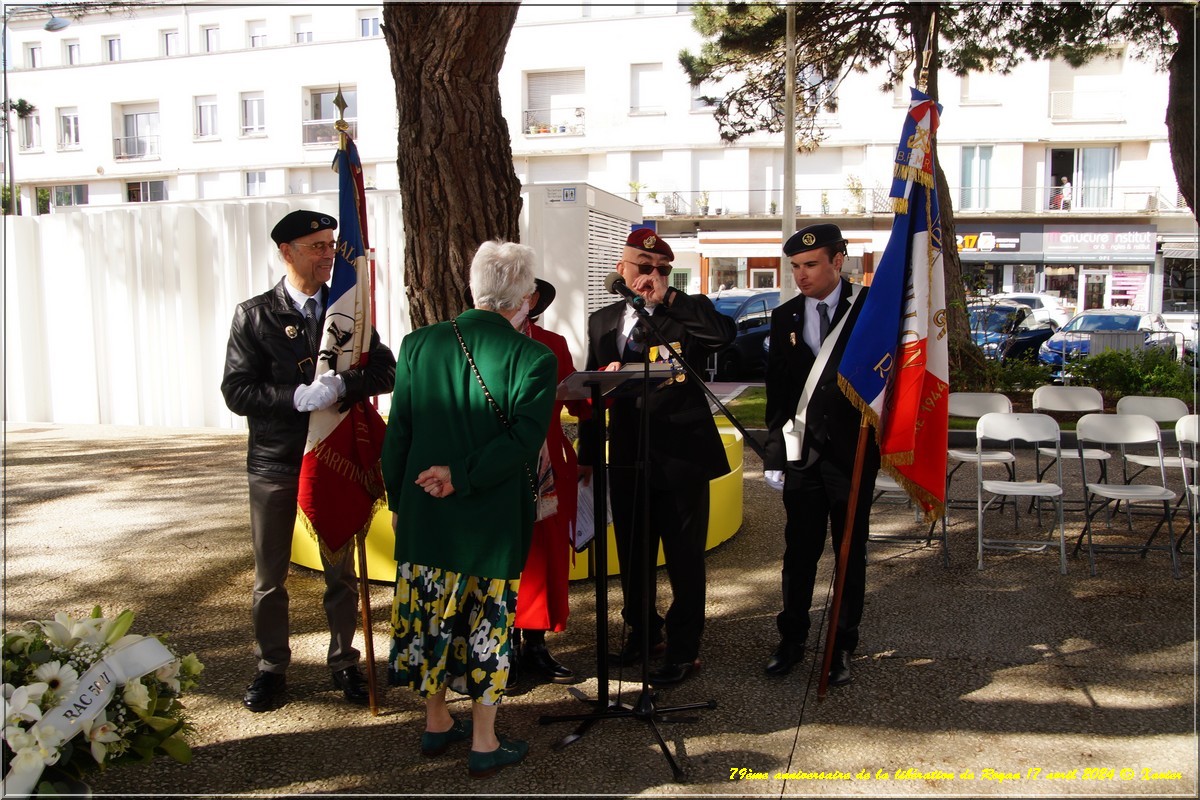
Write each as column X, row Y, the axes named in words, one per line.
column 750, row 310
column 1046, row 307
column 1006, row 330
column 1073, row 340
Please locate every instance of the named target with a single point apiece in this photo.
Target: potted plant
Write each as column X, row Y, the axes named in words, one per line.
column 653, row 207
column 824, row 202
column 855, row 187
column 635, row 187
column 702, row 202
column 774, row 207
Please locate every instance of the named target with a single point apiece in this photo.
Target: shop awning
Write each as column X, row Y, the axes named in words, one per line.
column 1180, row 251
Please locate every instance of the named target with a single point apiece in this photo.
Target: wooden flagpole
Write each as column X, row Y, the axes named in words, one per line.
column 360, row 538
column 843, row 555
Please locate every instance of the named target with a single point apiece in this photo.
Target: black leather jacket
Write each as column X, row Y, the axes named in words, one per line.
column 263, row 367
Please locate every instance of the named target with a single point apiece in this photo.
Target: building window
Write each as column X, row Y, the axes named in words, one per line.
column 75, row 194
column 1081, row 177
column 702, row 98
column 368, row 24
column 33, row 56
column 1179, row 285
column 256, row 183
column 112, row 48
column 322, row 114
column 556, row 102
column 146, row 191
column 256, row 33
column 976, row 177
column 646, row 89
column 141, row 135
column 170, row 43
column 71, row 53
column 68, row 129
column 30, row 127
column 206, row 117
column 302, row 27
column 980, row 88
column 254, row 114
column 211, row 36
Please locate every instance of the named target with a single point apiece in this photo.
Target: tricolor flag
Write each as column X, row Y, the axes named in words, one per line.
column 341, row 484
column 896, row 365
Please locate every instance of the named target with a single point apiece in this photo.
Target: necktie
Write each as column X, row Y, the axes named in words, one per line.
column 823, row 319
column 312, row 323
column 635, row 348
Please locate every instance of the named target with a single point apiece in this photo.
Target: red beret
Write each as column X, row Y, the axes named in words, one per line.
column 649, row 241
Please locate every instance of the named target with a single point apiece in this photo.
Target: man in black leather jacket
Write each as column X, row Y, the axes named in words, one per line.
column 270, row 379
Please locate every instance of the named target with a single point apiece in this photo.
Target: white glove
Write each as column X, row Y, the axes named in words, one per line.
column 334, row 381
column 316, row 396
column 774, row 479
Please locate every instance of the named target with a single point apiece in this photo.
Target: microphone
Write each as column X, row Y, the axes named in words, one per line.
column 615, row 284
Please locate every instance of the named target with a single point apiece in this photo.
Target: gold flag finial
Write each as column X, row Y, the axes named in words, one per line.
column 340, row 102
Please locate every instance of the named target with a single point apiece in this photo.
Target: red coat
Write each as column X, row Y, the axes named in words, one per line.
column 542, row 599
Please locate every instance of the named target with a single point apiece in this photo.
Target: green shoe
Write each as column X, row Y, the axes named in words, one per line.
column 434, row 744
column 485, row 765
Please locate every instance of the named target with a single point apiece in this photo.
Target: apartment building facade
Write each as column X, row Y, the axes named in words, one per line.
column 210, row 102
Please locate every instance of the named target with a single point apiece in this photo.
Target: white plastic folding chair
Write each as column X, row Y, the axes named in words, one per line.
column 886, row 486
column 1187, row 433
column 1039, row 430
column 1076, row 400
column 974, row 405
column 1114, row 430
column 1163, row 410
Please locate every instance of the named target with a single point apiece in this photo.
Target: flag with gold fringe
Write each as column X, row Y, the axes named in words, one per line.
column 341, row 484
column 896, row 364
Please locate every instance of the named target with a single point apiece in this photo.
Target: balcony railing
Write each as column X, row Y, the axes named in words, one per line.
column 840, row 201
column 128, row 147
column 566, row 121
column 322, row 131
column 1101, row 105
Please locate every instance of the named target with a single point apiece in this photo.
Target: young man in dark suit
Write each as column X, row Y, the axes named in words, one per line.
column 815, row 474
column 685, row 453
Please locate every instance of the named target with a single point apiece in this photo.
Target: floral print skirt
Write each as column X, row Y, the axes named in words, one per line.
column 450, row 629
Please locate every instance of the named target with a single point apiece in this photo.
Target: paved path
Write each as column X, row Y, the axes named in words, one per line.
column 992, row 674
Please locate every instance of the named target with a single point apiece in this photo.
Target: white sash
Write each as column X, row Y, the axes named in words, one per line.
column 95, row 690
column 794, row 429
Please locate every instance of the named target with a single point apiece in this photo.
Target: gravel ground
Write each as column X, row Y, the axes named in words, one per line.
column 966, row 681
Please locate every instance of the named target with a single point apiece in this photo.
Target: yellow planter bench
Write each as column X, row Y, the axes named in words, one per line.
column 724, row 520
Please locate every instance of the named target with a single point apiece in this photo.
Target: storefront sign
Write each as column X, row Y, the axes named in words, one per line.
column 1099, row 243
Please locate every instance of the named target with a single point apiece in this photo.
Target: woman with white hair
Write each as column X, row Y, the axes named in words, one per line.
column 469, row 414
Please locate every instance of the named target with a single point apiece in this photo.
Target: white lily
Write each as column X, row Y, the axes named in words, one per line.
column 21, row 703
column 98, row 736
column 17, row 737
column 61, row 679
column 168, row 674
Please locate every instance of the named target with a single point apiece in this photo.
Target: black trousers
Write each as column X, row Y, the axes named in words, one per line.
column 272, row 519
column 816, row 499
column 679, row 518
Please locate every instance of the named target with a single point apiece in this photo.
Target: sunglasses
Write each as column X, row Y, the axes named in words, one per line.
column 646, row 269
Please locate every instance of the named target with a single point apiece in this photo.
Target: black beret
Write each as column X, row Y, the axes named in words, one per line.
column 812, row 237
column 301, row 223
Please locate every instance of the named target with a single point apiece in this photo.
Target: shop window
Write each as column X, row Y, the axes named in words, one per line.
column 1179, row 286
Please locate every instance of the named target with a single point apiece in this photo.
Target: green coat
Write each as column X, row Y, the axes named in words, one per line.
column 439, row 415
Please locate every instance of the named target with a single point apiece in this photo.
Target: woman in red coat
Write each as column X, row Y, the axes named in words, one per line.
column 542, row 598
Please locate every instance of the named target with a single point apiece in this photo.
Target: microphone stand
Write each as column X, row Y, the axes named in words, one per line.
column 644, row 709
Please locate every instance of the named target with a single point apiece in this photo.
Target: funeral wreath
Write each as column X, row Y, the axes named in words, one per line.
column 81, row 695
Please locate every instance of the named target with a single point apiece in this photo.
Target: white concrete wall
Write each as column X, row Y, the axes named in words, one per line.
column 121, row 316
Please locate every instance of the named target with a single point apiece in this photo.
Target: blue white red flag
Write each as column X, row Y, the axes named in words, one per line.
column 341, row 484
column 895, row 368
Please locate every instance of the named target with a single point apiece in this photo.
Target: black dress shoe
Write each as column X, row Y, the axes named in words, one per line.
column 537, row 660
column 839, row 670
column 265, row 691
column 631, row 653
column 671, row 674
column 353, row 685
column 786, row 655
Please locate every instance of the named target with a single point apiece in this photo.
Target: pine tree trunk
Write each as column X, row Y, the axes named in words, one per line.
column 966, row 359
column 1181, row 99
column 454, row 156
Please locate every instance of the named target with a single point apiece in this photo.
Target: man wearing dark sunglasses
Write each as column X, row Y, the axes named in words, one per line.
column 685, row 453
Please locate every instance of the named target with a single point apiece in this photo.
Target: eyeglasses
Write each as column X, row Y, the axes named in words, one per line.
column 320, row 248
column 646, row 269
